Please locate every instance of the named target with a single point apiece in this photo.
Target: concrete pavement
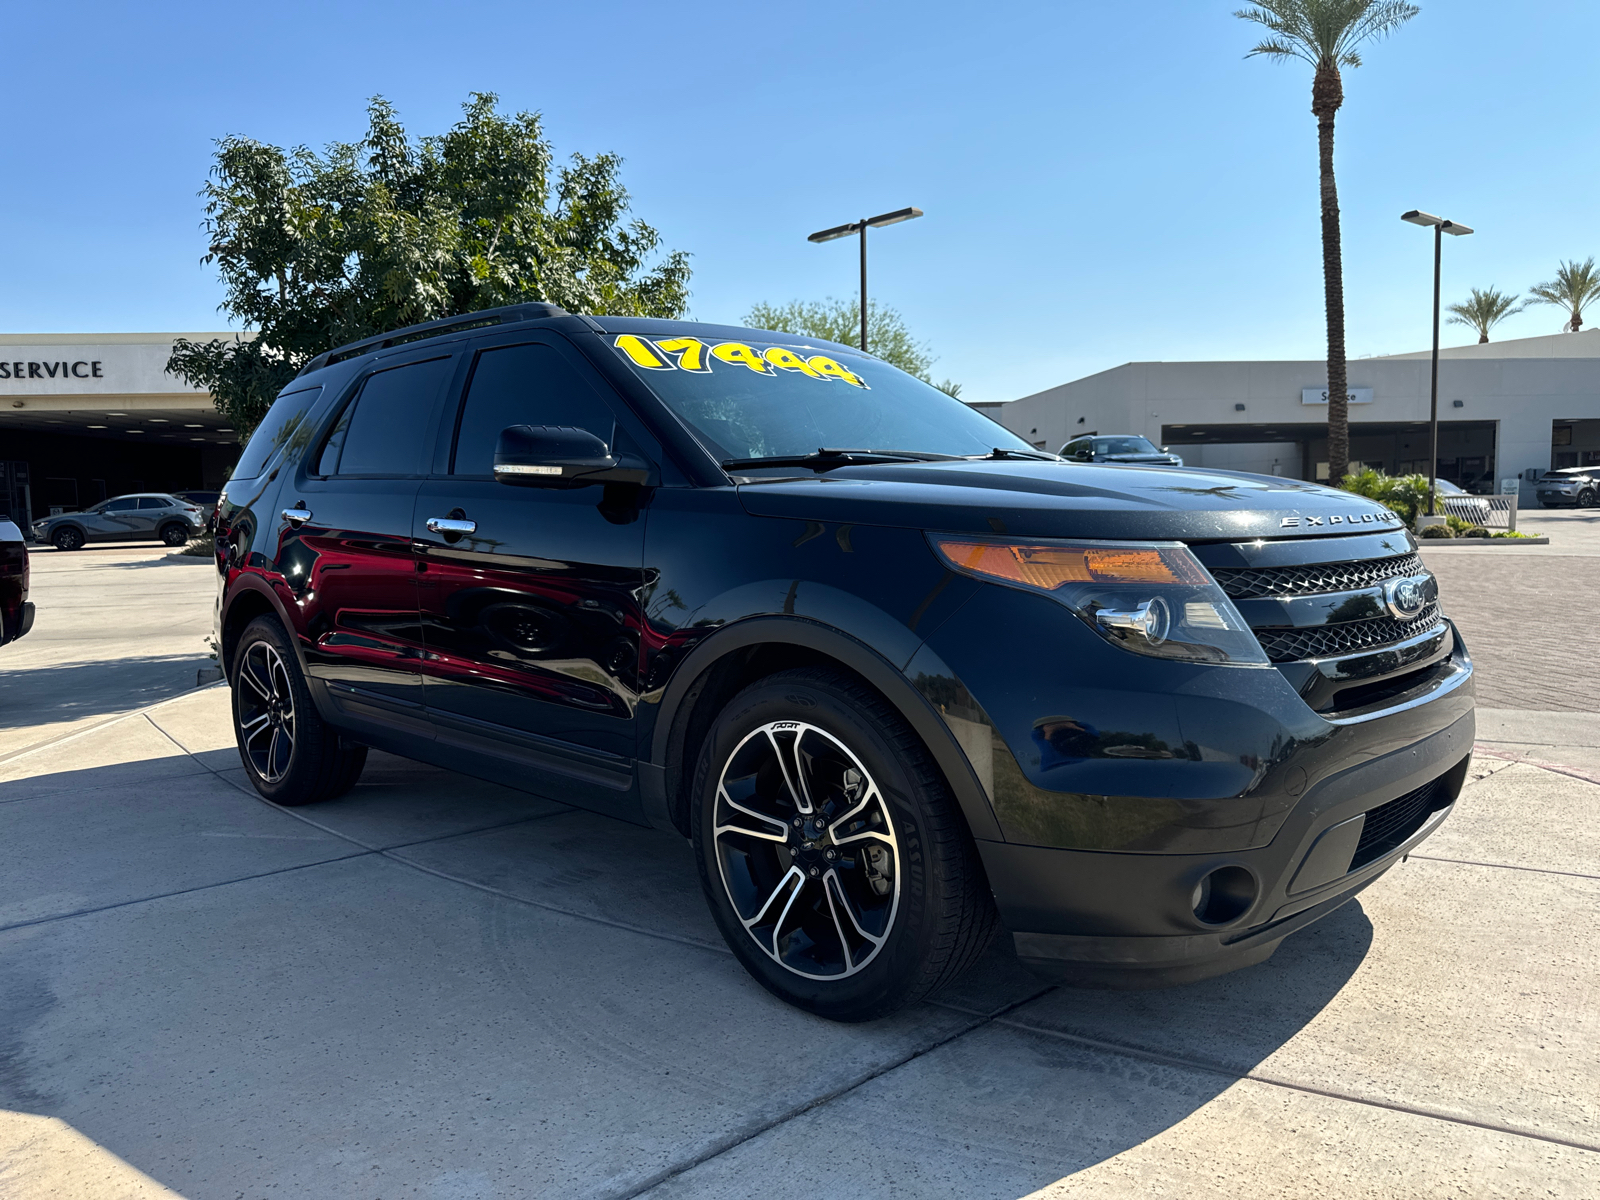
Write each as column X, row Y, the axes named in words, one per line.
column 442, row 988
column 117, row 627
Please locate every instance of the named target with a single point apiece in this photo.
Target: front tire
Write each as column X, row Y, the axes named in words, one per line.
column 290, row 753
column 1586, row 499
column 834, row 859
column 67, row 539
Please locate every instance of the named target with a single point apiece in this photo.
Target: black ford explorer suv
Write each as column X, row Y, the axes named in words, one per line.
column 903, row 679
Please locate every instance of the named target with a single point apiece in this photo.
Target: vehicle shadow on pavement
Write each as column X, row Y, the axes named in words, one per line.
column 41, row 695
column 230, row 995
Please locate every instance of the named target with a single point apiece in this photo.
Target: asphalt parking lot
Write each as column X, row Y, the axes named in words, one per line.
column 437, row 987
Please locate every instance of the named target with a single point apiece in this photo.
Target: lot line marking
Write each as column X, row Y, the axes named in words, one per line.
column 1468, row 862
column 200, row 887
column 1175, row 1060
column 398, row 860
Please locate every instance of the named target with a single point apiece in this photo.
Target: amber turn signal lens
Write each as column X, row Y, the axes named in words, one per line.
column 1049, row 567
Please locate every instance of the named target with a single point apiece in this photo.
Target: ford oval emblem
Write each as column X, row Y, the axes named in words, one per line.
column 1407, row 596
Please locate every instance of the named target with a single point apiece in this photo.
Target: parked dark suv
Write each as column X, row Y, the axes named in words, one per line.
column 902, row 678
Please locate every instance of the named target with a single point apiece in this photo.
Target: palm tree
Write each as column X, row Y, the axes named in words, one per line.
column 1325, row 33
column 1484, row 311
column 1576, row 284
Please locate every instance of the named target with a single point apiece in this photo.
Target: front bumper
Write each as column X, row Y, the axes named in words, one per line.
column 1052, row 896
column 1171, row 772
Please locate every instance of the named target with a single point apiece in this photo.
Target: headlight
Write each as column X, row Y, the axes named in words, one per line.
column 1150, row 598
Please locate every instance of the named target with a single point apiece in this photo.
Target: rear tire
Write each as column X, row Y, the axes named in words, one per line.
column 174, row 535
column 67, row 539
column 290, row 753
column 876, row 898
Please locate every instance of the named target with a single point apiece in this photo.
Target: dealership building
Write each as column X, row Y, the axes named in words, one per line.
column 1510, row 409
column 86, row 416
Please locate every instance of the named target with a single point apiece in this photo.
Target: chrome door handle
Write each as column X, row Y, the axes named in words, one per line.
column 451, row 526
column 297, row 516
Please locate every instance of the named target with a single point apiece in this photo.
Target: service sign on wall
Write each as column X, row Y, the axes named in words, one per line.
column 85, row 369
column 1320, row 395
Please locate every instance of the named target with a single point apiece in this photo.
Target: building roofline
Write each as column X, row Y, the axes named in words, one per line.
column 115, row 339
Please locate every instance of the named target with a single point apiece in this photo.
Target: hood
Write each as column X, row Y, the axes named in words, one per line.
column 1058, row 500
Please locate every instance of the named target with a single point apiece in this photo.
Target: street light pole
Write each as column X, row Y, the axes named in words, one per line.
column 861, row 227
column 863, row 284
column 1440, row 228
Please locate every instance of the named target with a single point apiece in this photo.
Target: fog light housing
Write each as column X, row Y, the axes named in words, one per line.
column 1224, row 895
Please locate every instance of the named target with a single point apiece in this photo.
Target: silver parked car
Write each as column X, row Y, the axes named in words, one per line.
column 143, row 517
column 1577, row 486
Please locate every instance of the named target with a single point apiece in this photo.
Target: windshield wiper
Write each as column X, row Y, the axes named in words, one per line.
column 999, row 454
column 826, row 460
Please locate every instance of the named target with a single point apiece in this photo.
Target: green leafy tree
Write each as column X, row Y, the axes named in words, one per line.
column 840, row 321
column 1576, row 285
column 320, row 249
column 1484, row 311
column 1326, row 34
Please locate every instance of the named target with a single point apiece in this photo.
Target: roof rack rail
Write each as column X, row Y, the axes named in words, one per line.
column 412, row 333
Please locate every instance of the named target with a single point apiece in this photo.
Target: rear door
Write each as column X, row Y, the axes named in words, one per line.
column 531, row 619
column 150, row 512
column 348, row 559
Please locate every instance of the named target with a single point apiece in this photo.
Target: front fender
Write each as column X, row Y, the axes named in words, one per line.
column 871, row 663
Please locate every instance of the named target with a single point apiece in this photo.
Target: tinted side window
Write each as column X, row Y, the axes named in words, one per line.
column 154, row 502
column 384, row 432
column 524, row 385
column 282, row 425
column 125, row 505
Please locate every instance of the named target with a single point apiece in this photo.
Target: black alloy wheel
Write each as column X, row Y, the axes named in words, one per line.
column 836, row 863
column 292, row 756
column 1586, row 498
column 67, row 538
column 175, row 534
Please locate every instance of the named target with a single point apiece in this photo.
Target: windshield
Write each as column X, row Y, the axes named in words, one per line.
column 1124, row 445
column 782, row 398
column 1448, row 488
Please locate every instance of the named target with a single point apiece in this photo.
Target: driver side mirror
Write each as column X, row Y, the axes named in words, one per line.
column 562, row 456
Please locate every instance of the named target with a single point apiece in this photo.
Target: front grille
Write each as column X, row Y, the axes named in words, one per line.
column 1390, row 824
column 1250, row 583
column 1352, row 637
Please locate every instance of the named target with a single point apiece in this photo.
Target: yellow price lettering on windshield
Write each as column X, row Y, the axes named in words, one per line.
column 826, row 368
column 691, row 352
column 788, row 360
column 738, row 352
column 642, row 352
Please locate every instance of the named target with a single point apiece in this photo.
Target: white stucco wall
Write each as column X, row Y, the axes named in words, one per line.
column 1524, row 386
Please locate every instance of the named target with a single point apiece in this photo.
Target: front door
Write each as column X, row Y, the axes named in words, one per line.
column 531, row 618
column 115, row 520
column 348, row 560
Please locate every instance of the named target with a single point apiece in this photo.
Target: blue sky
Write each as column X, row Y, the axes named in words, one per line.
column 1102, row 181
